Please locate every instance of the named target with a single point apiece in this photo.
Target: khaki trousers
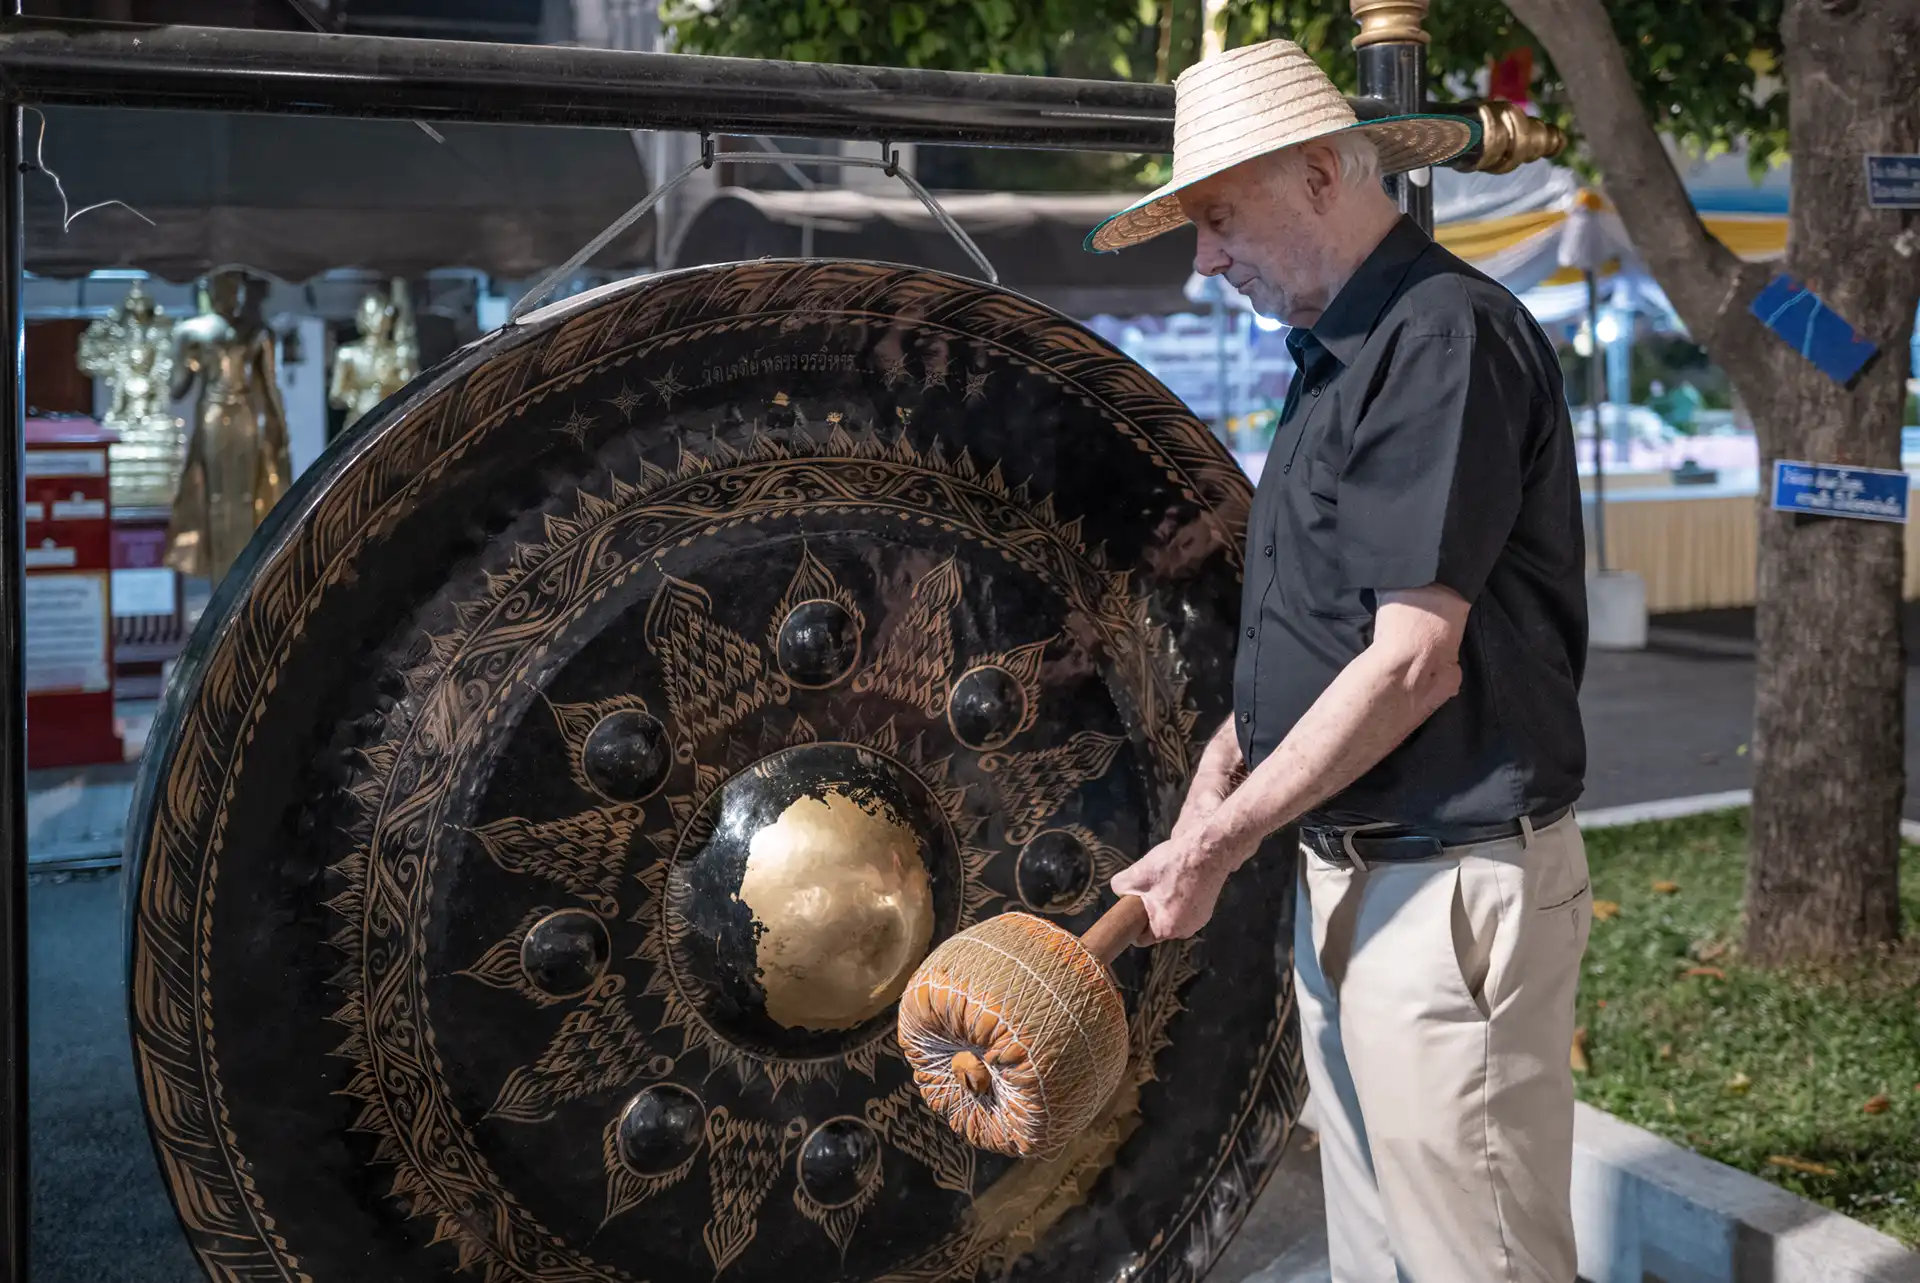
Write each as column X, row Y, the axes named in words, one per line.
column 1436, row 1013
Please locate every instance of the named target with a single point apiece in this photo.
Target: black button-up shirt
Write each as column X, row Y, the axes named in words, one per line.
column 1425, row 440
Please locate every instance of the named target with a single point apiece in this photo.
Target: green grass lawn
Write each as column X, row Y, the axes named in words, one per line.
column 1817, row 1066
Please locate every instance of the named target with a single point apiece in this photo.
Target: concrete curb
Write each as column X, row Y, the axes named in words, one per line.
column 1646, row 1210
column 1677, row 808
column 1667, row 808
column 1649, row 1211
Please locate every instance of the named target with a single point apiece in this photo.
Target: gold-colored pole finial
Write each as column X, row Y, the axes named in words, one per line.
column 1389, row 21
column 1510, row 138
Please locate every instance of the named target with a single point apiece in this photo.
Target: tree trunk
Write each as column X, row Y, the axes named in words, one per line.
column 1829, row 700
column 1829, row 697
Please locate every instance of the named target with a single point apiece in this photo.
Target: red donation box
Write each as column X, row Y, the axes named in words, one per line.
column 68, row 559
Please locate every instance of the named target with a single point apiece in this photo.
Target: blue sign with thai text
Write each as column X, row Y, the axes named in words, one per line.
column 1827, row 490
column 1893, row 182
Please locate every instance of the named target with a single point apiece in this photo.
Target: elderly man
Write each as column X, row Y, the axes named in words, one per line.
column 1413, row 638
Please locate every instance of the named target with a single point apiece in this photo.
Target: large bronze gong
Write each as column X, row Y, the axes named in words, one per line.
column 558, row 795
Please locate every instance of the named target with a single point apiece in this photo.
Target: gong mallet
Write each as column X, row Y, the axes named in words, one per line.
column 1016, row 1029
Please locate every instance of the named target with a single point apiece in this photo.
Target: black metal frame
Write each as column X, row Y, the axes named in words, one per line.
column 304, row 73
column 298, row 73
column 46, row 60
column 1394, row 73
column 16, row 1189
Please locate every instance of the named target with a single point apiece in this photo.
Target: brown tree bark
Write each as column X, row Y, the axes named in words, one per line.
column 1824, row 873
column 1829, row 696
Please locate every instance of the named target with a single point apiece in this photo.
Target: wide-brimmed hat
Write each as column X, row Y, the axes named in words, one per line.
column 1258, row 99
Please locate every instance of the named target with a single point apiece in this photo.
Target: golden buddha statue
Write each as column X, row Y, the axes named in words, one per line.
column 237, row 460
column 132, row 350
column 384, row 359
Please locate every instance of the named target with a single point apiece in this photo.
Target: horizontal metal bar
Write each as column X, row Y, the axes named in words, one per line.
column 49, row 60
column 303, row 73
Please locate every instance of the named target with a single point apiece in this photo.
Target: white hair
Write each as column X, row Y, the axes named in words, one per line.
column 1359, row 158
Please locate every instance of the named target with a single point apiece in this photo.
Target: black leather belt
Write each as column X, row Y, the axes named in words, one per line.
column 1346, row 848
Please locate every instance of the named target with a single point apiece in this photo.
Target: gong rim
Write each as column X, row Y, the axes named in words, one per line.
column 288, row 533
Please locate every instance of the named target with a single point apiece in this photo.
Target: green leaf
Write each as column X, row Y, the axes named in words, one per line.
column 1697, row 63
column 906, row 19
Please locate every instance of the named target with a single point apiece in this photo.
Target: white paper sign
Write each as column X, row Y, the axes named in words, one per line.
column 66, row 463
column 66, row 633
column 79, row 509
column 147, row 591
column 50, row 555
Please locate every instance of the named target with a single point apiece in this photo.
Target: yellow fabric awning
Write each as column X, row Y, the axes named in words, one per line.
column 1517, row 237
column 1753, row 237
column 1572, row 275
column 1484, row 237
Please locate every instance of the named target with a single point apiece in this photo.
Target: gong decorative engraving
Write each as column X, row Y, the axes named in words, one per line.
column 745, row 648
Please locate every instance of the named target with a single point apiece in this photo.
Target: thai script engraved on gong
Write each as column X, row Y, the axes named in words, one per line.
column 748, row 367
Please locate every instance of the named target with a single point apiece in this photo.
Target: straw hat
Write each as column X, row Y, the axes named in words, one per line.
column 1257, row 99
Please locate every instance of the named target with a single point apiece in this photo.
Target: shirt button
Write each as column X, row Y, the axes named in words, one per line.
column 1314, row 390
column 1269, row 550
column 1249, row 632
column 1246, row 717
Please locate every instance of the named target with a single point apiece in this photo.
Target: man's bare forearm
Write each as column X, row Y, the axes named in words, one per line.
column 1375, row 703
column 1214, row 778
column 1220, row 761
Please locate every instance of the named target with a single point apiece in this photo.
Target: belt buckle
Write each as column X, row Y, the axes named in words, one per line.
column 1346, row 842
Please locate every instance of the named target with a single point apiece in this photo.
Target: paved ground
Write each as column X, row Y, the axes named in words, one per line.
column 1284, row 1239
column 99, row 1214
column 1663, row 723
column 1676, row 720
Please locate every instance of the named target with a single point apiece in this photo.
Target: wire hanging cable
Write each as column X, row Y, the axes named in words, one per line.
column 890, row 164
column 67, row 213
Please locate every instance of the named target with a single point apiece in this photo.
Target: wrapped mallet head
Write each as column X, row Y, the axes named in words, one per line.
column 1017, row 1031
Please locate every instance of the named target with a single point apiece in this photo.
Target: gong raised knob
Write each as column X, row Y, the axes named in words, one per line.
column 806, row 895
column 845, row 908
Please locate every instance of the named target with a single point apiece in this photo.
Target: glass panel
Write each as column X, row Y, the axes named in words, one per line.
column 344, row 228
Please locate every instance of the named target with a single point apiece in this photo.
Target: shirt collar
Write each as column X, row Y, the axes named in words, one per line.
column 1348, row 321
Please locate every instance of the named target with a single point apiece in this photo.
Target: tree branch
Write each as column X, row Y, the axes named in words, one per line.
column 1706, row 282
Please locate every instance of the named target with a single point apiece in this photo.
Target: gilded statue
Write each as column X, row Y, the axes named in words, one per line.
column 237, row 461
column 384, row 359
column 132, row 349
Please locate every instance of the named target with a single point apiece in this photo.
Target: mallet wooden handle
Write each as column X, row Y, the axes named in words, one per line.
column 1117, row 929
